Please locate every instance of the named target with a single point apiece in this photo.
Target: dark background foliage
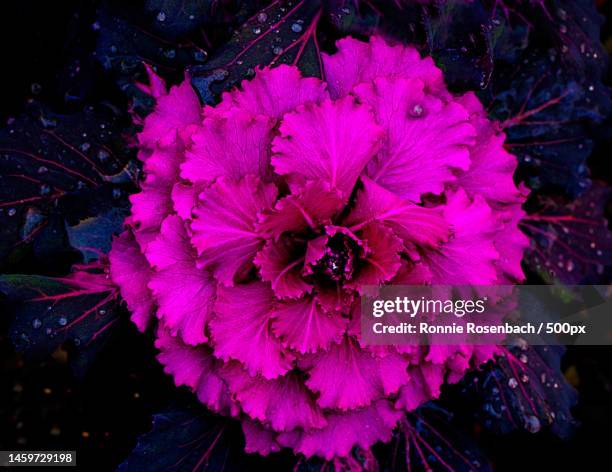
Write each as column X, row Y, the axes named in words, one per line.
column 69, row 99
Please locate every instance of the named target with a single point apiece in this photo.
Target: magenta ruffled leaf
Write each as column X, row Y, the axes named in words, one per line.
column 78, row 312
column 571, row 242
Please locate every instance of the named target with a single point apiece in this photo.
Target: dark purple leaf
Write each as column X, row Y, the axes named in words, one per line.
column 169, row 35
column 175, row 18
column 282, row 33
column 549, row 116
column 58, row 169
column 538, row 67
column 551, row 98
column 188, row 439
column 571, row 242
column 90, row 236
column 428, row 439
column 47, row 313
column 525, row 390
column 123, row 45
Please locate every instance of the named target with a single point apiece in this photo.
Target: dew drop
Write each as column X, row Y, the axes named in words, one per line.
column 256, row 30
column 42, row 170
column 523, row 358
column 62, row 321
column 161, row 16
column 85, row 147
column 36, row 88
column 532, row 424
column 45, row 189
column 200, row 56
column 296, row 28
column 512, row 383
column 36, row 323
column 11, row 212
column 563, row 28
column 522, row 344
column 417, row 110
column 277, row 50
column 262, row 17
column 116, row 193
column 569, row 266
column 103, row 155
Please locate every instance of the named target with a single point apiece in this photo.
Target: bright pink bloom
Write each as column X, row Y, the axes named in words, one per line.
column 260, row 221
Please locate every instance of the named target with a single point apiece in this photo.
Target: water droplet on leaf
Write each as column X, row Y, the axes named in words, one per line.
column 417, row 110
column 532, row 424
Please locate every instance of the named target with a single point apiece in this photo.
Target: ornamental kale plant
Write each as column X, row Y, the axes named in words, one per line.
column 261, row 220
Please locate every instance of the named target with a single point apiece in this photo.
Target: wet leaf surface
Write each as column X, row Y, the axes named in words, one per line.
column 282, row 33
column 571, row 241
column 48, row 313
column 56, row 168
column 187, row 439
column 429, row 439
column 524, row 391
